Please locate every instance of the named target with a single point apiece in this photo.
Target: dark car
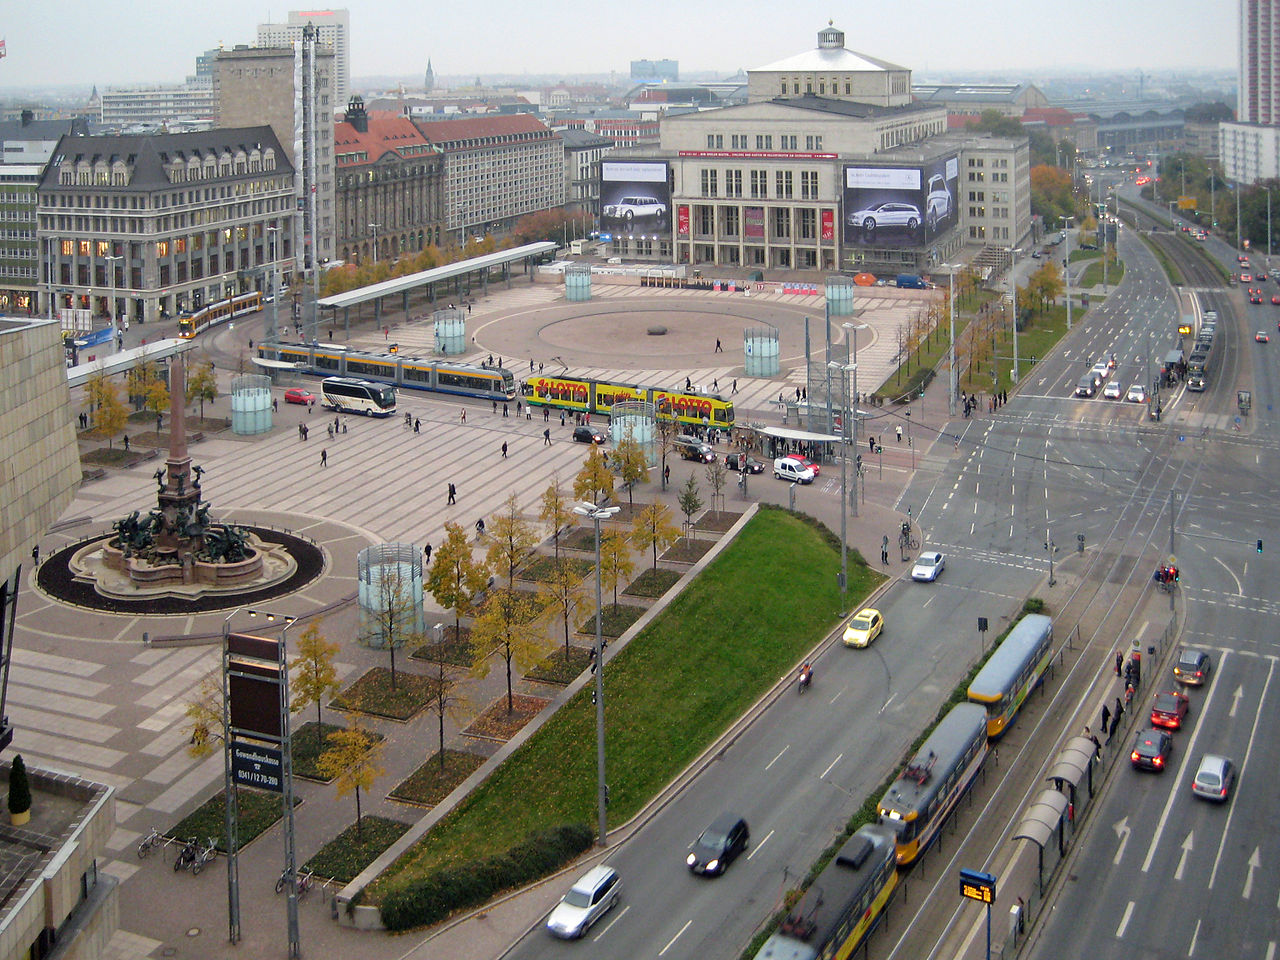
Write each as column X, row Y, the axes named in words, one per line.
column 743, row 462
column 588, row 435
column 715, row 849
column 1169, row 709
column 1193, row 667
column 691, row 448
column 1151, row 750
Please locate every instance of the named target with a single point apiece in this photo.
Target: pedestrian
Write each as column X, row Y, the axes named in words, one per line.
column 35, row 554
column 1106, row 716
column 719, row 349
column 1097, row 747
column 666, row 474
column 735, row 384
column 495, row 406
column 126, row 443
column 1116, row 713
column 518, row 405
column 1119, row 662
column 539, row 368
column 300, row 437
column 275, row 404
column 804, row 394
column 688, row 384
column 898, row 431
column 306, row 432
column 715, row 385
column 871, row 444
column 546, row 437
column 417, row 425
column 426, row 552
column 490, row 360
column 531, row 365
column 480, row 528
column 463, row 417
column 504, row 449
column 453, row 493
column 505, row 410
column 324, row 458
column 546, row 414
column 408, row 419
column 329, row 427
column 562, row 418
column 336, row 425
column 344, row 424
column 884, row 555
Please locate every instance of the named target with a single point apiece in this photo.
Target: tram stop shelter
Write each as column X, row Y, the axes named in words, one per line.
column 786, row 436
column 451, row 277
column 1045, row 817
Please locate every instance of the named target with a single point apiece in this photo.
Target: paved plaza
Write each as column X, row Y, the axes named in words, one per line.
column 103, row 695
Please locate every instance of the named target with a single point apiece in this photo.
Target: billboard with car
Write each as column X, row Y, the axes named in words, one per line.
column 903, row 206
column 634, row 197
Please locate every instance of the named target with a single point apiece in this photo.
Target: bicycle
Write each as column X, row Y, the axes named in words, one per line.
column 303, row 881
column 152, row 839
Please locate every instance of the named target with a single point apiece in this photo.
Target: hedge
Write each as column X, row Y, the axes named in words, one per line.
column 432, row 899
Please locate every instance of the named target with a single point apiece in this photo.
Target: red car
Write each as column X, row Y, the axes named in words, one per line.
column 806, row 462
column 1276, row 300
column 298, row 395
column 1246, row 278
column 1169, row 710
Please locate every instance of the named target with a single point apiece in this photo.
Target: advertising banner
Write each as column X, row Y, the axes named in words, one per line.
column 828, row 225
column 682, row 220
column 900, row 206
column 634, row 197
column 753, row 223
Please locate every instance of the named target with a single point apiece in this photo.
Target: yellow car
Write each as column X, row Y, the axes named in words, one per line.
column 863, row 628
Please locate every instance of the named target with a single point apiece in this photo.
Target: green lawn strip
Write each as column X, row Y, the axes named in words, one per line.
column 675, row 687
column 579, row 539
column 1092, row 275
column 921, row 363
column 554, row 668
column 615, row 621
column 373, row 694
column 343, row 857
column 430, row 784
column 687, row 550
column 308, row 745
column 652, row 583
column 257, row 810
column 455, row 653
column 1044, row 329
column 541, row 569
column 1170, row 268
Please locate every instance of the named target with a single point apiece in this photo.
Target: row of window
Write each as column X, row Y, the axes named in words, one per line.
column 764, row 141
column 780, row 223
column 783, row 184
column 17, row 272
column 978, row 176
column 19, row 253
column 162, row 201
column 818, row 86
column 910, row 133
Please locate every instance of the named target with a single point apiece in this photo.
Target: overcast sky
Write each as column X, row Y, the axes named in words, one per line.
column 78, row 41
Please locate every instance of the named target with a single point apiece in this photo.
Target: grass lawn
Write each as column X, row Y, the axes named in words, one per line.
column 687, row 550
column 654, row 582
column 671, row 692
column 372, row 694
column 258, row 811
column 541, row 569
column 456, row 651
column 616, row 620
column 1092, row 276
column 307, row 747
column 556, row 669
column 431, row 782
column 343, row 857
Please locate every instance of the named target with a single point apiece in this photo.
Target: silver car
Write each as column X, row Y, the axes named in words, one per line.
column 890, row 213
column 628, row 208
column 595, row 893
column 937, row 201
column 1214, row 778
column 928, row 566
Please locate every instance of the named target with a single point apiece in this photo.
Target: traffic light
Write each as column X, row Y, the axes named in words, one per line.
column 1259, row 546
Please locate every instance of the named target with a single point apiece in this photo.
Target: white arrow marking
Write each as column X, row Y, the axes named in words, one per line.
column 1182, row 860
column 1122, row 834
column 1235, row 701
column 1254, row 864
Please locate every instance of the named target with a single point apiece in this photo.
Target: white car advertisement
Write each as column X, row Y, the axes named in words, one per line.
column 635, row 198
column 900, row 206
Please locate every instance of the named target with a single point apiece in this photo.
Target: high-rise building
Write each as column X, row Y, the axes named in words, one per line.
column 334, row 28
column 1250, row 147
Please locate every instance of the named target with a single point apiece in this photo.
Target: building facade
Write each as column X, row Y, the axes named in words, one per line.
column 158, row 106
column 390, row 187
column 655, row 70
column 583, row 153
column 334, row 28
column 259, row 85
column 1250, row 147
column 164, row 223
column 19, row 249
column 497, row 169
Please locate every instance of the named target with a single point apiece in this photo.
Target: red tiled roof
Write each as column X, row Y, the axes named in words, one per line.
column 387, row 133
column 474, row 128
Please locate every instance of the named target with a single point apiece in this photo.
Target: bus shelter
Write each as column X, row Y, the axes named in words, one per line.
column 1045, row 818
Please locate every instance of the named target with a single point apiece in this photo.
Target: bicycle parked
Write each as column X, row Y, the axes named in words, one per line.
column 145, row 845
column 303, row 880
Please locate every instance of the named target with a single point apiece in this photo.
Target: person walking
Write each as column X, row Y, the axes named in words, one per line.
column 506, row 412
column 871, row 444
column 453, row 493
column 126, row 443
column 324, row 458
column 666, row 474
column 719, row 349
column 275, row 404
column 562, row 418
column 329, row 427
column 1119, row 663
column 518, row 407
column 504, row 449
column 1116, row 713
column 426, row 552
column 480, row 528
column 898, row 431
column 546, row 437
column 495, row 406
column 306, row 432
column 735, row 384
column 463, row 417
column 417, row 425
column 300, row 431
column 1106, row 716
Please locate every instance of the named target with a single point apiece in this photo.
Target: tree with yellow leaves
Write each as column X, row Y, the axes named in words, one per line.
column 353, row 762
column 315, row 676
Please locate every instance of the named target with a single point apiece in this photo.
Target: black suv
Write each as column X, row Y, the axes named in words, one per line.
column 588, row 435
column 691, row 448
column 743, row 462
column 712, row 852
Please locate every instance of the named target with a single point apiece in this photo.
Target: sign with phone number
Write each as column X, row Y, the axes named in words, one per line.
column 257, row 766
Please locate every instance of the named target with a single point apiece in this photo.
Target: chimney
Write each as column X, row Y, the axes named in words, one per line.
column 27, row 117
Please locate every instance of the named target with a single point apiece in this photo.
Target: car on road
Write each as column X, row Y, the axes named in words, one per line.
column 928, row 565
column 594, row 894
column 888, row 214
column 629, row 208
column 1259, row 276
column 1137, row 394
column 1215, row 777
column 807, row 462
column 743, row 462
column 864, row 626
column 1262, row 337
column 1192, row 667
column 298, row 395
column 1113, row 390
column 937, row 201
column 1169, row 709
column 1101, row 370
column 1276, row 300
column 792, row 470
column 1151, row 750
column 691, row 448
column 718, row 845
column 1246, row 278
column 1255, row 298
column 586, row 434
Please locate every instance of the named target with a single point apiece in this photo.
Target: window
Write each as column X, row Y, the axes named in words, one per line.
column 782, row 223
column 708, row 183
column 808, row 224
column 782, row 180
column 808, row 184
column 715, row 141
column 704, row 224
column 733, row 183
column 789, row 141
column 759, row 184
column 764, row 141
column 813, row 143
column 731, row 221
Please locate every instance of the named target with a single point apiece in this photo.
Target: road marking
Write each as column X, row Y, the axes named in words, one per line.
column 675, row 938
column 1122, row 834
column 609, row 927
column 1226, row 829
column 778, row 757
column 1239, row 588
column 1254, row 864
column 1124, row 921
column 884, row 706
column 1187, row 847
column 833, row 763
column 1195, row 935
column 1235, row 701
column 756, row 848
column 835, row 698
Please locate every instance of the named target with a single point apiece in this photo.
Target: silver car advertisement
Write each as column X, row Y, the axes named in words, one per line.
column 635, row 198
column 900, row 206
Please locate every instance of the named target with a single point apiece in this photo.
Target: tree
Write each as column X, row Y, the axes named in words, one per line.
column 353, row 762
column 19, row 787
column 456, row 577
column 398, row 616
column 653, row 530
column 1051, row 193
column 202, row 385
column 594, row 481
column 156, row 398
column 109, row 414
column 690, row 502
column 508, row 620
column 616, row 564
column 511, row 541
column 563, row 591
column 666, row 444
column 556, row 512
column 632, row 464
column 140, row 378
column 442, row 697
column 716, row 479
column 316, row 677
column 205, row 716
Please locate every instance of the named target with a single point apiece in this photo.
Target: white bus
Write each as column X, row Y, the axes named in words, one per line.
column 347, row 395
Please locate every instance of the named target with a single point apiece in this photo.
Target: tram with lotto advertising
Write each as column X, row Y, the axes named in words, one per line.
column 405, row 372
column 918, row 803
column 1012, row 671
column 585, row 395
column 192, row 323
column 843, row 905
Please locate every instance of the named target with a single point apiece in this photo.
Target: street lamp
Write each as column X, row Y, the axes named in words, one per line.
column 374, row 227
column 275, row 289
column 953, row 380
column 598, row 513
column 111, row 270
column 1013, row 283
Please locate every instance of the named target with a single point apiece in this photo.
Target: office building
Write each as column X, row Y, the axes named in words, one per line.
column 1250, row 147
column 334, row 31
column 583, row 153
column 152, row 107
column 649, row 70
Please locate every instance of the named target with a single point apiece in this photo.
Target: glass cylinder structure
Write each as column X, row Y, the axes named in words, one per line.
column 390, row 594
column 760, row 351
column 450, row 326
column 250, row 404
column 840, row 296
column 577, row 282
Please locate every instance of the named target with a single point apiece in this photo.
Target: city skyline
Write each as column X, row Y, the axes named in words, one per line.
column 395, row 37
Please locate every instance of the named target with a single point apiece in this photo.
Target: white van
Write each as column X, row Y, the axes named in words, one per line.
column 792, row 470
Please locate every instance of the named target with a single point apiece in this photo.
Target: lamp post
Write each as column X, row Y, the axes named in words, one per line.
column 598, row 513
column 374, row 227
column 953, row 379
column 845, row 370
column 111, row 311
column 274, row 335
column 1013, row 282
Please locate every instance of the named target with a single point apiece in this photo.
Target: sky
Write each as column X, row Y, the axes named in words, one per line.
column 59, row 42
